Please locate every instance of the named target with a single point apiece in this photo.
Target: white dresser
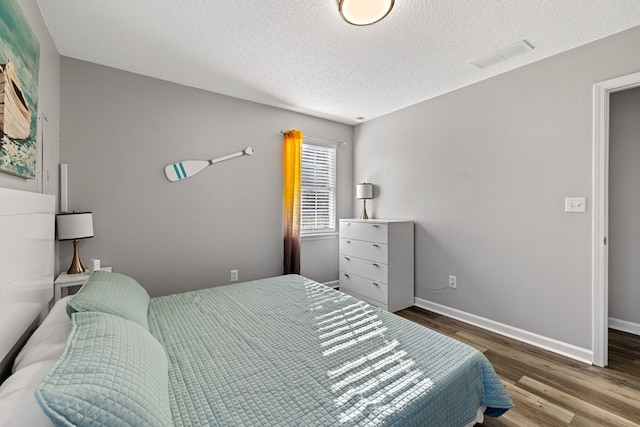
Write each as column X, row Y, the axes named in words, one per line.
column 376, row 261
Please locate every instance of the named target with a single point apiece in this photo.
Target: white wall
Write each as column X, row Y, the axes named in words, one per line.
column 484, row 171
column 119, row 130
column 48, row 106
column 624, row 205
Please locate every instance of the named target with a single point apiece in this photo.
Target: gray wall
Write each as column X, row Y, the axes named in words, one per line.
column 119, row 130
column 319, row 257
column 484, row 171
column 48, row 106
column 624, row 205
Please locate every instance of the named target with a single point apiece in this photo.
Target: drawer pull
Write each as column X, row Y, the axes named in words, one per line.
column 375, row 284
column 375, row 245
column 375, row 225
column 376, row 265
column 347, row 258
column 346, row 275
column 348, row 241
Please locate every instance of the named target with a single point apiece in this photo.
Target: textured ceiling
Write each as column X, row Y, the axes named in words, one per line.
column 301, row 56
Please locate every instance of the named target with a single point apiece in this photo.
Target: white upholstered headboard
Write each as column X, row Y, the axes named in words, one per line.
column 27, row 251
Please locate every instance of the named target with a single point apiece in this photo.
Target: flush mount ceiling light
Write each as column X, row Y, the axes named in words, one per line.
column 364, row 12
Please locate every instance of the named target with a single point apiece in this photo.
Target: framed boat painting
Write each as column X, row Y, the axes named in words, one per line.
column 19, row 67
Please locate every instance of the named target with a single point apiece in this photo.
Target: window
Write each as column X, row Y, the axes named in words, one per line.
column 318, row 211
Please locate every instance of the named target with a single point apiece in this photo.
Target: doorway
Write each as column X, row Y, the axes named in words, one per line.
column 600, row 225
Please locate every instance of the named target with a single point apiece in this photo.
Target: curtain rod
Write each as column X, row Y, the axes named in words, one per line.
column 315, row 138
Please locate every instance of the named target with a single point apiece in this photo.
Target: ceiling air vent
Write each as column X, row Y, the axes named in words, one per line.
column 503, row 54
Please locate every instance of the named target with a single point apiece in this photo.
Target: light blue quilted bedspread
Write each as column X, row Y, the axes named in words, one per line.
column 287, row 351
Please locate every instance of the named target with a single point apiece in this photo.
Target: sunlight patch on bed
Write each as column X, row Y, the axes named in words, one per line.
column 381, row 381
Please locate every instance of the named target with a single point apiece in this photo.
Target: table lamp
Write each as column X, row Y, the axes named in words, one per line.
column 75, row 226
column 364, row 191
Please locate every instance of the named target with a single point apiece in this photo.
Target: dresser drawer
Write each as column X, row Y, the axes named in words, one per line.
column 366, row 250
column 365, row 287
column 371, row 232
column 378, row 304
column 376, row 271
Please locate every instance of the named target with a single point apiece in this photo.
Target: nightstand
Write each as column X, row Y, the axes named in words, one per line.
column 65, row 281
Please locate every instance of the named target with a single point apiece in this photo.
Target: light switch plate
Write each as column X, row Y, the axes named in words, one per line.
column 575, row 204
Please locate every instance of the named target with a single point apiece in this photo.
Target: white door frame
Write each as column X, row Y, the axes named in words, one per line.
column 600, row 225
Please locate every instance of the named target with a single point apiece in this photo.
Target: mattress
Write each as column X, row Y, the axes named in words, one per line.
column 289, row 351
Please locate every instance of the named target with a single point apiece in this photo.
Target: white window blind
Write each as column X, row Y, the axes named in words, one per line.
column 318, row 211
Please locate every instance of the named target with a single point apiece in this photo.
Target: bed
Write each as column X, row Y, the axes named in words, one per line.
column 278, row 351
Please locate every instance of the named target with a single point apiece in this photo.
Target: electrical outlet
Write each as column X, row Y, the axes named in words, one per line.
column 453, row 282
column 234, row 275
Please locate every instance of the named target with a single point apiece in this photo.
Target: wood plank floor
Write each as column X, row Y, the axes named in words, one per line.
column 549, row 389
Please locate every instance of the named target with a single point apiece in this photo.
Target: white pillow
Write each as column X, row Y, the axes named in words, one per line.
column 18, row 404
column 49, row 340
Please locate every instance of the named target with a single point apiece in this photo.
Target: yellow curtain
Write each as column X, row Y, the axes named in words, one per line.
column 292, row 165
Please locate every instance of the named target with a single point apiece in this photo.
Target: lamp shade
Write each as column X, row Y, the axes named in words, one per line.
column 364, row 191
column 364, row 12
column 76, row 225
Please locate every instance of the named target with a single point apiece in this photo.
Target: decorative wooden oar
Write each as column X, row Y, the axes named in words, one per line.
column 188, row 168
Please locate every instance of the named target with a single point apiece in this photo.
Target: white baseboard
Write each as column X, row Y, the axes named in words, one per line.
column 332, row 284
column 624, row 326
column 565, row 349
